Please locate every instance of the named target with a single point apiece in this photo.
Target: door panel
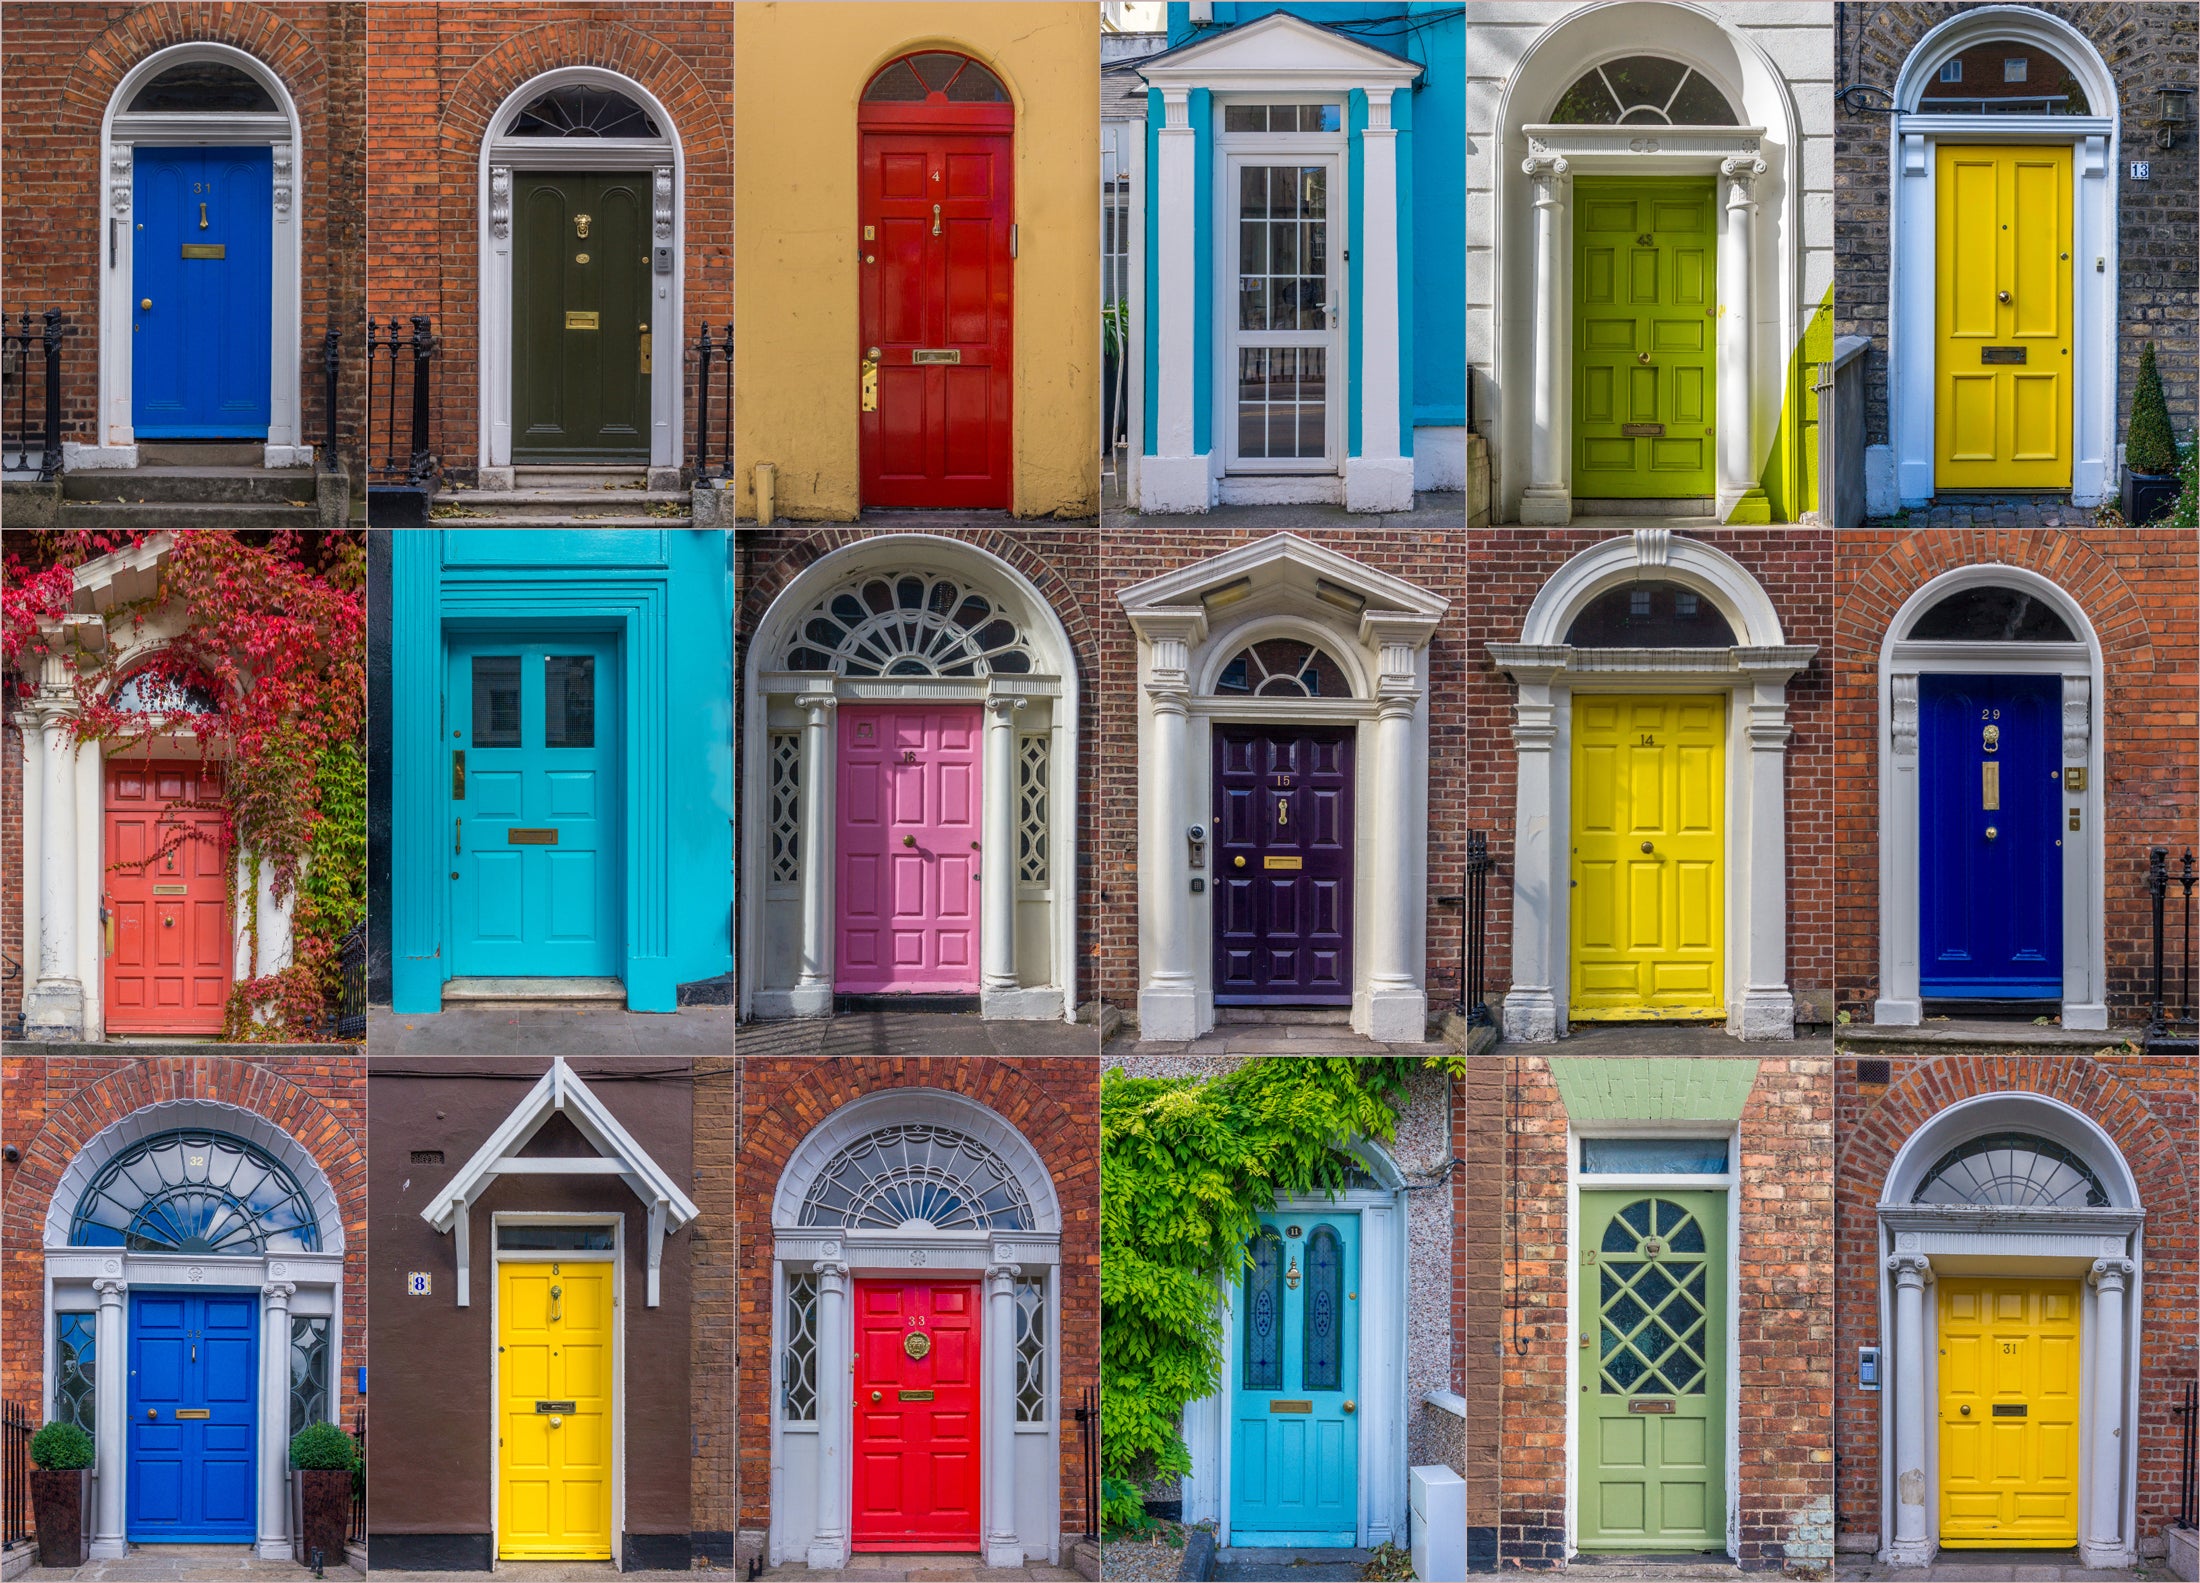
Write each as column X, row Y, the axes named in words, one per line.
column 2008, row 1412
column 1653, row 1401
column 580, row 317
column 1283, row 866
column 1990, row 909
column 917, row 1416
column 193, row 1417
column 1645, row 338
column 168, row 949
column 1649, row 796
column 557, row 1401
column 1284, row 333
column 1294, row 1408
column 2003, row 381
column 202, row 257
column 907, row 855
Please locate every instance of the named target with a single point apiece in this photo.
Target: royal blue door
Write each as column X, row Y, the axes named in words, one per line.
column 1295, row 1411
column 194, row 1361
column 1989, row 837
column 203, row 277
column 1283, row 866
column 533, row 730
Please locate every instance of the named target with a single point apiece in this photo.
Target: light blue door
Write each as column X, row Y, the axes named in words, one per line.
column 193, row 1417
column 203, row 279
column 1295, row 1428
column 533, row 730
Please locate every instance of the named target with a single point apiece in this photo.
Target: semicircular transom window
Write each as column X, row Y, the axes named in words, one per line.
column 936, row 76
column 2004, row 77
column 1282, row 668
column 1651, row 616
column 204, row 86
column 193, row 1190
column 913, row 624
column 1993, row 615
column 580, row 110
column 152, row 693
column 2012, row 1170
column 917, row 1177
column 1643, row 90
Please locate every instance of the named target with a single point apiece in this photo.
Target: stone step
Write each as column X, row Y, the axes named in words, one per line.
column 120, row 516
column 552, row 519
column 533, row 991
column 193, row 485
column 1300, row 1016
column 602, row 476
column 533, row 502
column 201, row 453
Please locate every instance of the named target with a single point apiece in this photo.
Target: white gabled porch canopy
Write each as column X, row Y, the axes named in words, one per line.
column 560, row 1091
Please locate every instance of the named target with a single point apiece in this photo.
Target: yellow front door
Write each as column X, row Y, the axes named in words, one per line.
column 555, row 1412
column 2002, row 381
column 1649, row 796
column 2008, row 1412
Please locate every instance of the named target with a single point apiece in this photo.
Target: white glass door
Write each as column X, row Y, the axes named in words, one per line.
column 1284, row 345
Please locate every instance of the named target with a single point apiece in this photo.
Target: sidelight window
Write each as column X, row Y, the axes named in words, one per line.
column 1643, row 90
column 194, row 1191
column 76, row 1401
column 206, row 86
column 2014, row 1170
column 1032, row 776
column 798, row 1358
column 496, row 700
column 309, row 1393
column 1264, row 1311
column 1031, row 1352
column 582, row 111
column 784, row 799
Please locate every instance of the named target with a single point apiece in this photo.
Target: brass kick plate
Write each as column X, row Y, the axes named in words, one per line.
column 208, row 1412
column 531, row 837
column 557, row 1407
column 1989, row 788
column 2002, row 354
column 171, row 890
column 1643, row 431
column 580, row 321
column 1651, row 1404
column 1283, row 862
column 936, row 354
column 1290, row 1407
column 2001, row 1410
column 205, row 250
column 912, row 1396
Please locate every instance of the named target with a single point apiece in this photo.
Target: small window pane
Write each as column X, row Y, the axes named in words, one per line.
column 75, row 1372
column 1650, row 616
column 544, row 1239
column 798, row 1359
column 1031, row 1352
column 1653, row 1156
column 2012, row 1169
column 308, row 1373
column 1264, row 1312
column 2004, row 77
column 496, row 700
column 580, row 111
column 1992, row 615
column 1645, row 90
column 204, row 85
column 1323, row 1317
column 569, row 701
column 1245, row 118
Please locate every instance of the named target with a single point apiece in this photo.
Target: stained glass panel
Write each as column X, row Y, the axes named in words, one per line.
column 798, row 1358
column 1323, row 1315
column 194, row 1191
column 1264, row 1312
column 76, row 1400
column 2014, row 1169
column 308, row 1373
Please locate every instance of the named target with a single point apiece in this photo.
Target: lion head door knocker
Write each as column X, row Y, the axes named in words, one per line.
column 1993, row 738
column 916, row 1343
column 581, row 224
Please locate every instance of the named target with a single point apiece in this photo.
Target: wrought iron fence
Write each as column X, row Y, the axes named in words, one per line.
column 332, row 363
column 356, row 1532
column 22, row 349
column 1475, row 931
column 2188, row 1501
column 15, row 1475
column 388, row 462
column 1088, row 1442
column 351, row 999
column 705, row 352
column 2171, row 1028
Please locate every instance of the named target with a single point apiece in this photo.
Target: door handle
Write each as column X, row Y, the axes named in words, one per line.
column 935, row 219
column 146, row 306
column 1992, row 834
column 1965, row 1409
column 874, row 1396
column 870, row 380
column 1642, row 357
column 908, row 840
column 107, row 924
column 1350, row 1406
column 1646, row 846
column 202, row 217
column 555, row 1420
column 456, row 826
column 152, row 1412
column 2003, row 296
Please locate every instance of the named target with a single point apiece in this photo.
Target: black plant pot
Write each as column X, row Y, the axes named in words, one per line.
column 2148, row 496
column 320, row 1515
column 61, row 1508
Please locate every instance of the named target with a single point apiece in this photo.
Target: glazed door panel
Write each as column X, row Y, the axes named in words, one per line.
column 1294, row 1410
column 1649, row 801
column 1990, row 903
column 906, row 849
column 1645, row 338
column 203, row 282
column 917, row 1416
column 557, row 1400
column 1284, row 332
column 1283, row 866
column 580, row 317
column 2003, row 380
column 193, row 1417
column 2008, row 1412
column 168, row 946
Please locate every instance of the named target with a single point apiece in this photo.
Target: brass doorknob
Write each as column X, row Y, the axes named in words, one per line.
column 1350, row 1406
column 1239, row 860
column 2004, row 296
column 1966, row 1408
column 1646, row 846
column 146, row 305
column 908, row 840
column 1992, row 833
column 152, row 1412
column 555, row 1420
column 1642, row 357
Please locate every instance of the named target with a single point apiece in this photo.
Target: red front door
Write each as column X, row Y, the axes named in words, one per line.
column 936, row 212
column 916, row 1416
column 168, row 947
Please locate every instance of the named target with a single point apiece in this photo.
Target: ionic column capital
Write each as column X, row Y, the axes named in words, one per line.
column 1911, row 1269
column 2110, row 1275
column 832, row 1274
column 1003, row 710
column 110, row 1290
column 278, row 1293
column 1000, row 1279
column 820, row 705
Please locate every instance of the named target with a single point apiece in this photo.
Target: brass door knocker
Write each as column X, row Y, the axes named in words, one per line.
column 580, row 224
column 1291, row 1274
column 556, row 1292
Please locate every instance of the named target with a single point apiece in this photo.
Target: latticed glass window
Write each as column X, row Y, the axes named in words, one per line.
column 1031, row 810
column 919, row 1177
column 910, row 625
column 937, row 75
column 1264, row 1312
column 76, row 1401
column 1653, row 1299
column 1031, row 1352
column 309, row 1400
column 1284, row 667
column 1646, row 90
column 195, row 1191
column 2013, row 1169
column 784, row 796
column 1323, row 1318
column 580, row 111
column 798, row 1358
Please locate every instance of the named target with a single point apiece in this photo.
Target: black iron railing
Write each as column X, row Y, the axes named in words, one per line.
column 705, row 353
column 332, row 362
column 15, row 1475
column 23, row 349
column 356, row 1533
column 1474, row 931
column 2170, row 1025
column 351, row 994
column 1088, row 1442
column 2188, row 1501
column 409, row 356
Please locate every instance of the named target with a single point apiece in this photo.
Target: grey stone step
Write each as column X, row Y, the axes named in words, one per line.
column 201, row 453
column 151, row 516
column 583, row 477
column 558, row 991
column 193, row 485
column 554, row 519
column 1295, row 1016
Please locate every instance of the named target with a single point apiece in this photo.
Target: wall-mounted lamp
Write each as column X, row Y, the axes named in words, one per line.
column 2176, row 115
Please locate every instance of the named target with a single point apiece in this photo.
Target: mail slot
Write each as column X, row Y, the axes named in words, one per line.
column 2012, row 1409
column 936, row 354
column 205, row 250
column 1290, row 1407
column 1651, row 1404
column 1283, row 862
column 171, row 890
column 912, row 1396
column 557, row 1407
column 531, row 837
column 194, row 1412
column 1643, row 431
column 575, row 320
column 2002, row 354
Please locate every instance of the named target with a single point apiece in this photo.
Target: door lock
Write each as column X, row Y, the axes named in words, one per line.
column 870, row 380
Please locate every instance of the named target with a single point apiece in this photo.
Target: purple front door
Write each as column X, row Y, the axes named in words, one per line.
column 1283, row 866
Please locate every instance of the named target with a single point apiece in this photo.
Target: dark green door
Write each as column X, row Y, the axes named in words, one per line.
column 1652, row 1427
column 580, row 318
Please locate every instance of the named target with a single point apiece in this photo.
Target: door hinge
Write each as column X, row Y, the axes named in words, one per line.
column 1012, row 241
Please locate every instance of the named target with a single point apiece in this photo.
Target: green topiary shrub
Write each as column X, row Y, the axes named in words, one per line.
column 61, row 1447
column 2149, row 447
column 323, row 1446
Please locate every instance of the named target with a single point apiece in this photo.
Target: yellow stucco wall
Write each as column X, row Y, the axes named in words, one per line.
column 799, row 70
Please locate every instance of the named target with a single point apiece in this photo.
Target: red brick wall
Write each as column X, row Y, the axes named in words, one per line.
column 715, row 1279
column 2141, row 590
column 1481, row 1333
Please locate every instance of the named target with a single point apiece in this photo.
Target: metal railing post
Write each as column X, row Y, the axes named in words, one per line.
column 422, row 465
column 332, row 356
column 702, row 403
column 725, row 405
column 49, row 462
column 1475, row 926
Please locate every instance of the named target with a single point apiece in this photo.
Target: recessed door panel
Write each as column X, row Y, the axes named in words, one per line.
column 168, row 950
column 2008, row 1412
column 1295, row 1385
column 580, row 317
column 556, row 1404
column 1282, row 870
column 909, row 863
column 193, row 1416
column 917, row 1416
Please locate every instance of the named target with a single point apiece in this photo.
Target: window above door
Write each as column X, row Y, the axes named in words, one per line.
column 1643, row 90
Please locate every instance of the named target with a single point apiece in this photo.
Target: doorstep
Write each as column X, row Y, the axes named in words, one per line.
column 923, row 1567
column 1232, row 1565
column 1981, row 1033
column 1999, row 1566
column 164, row 1563
column 531, row 1028
column 533, row 991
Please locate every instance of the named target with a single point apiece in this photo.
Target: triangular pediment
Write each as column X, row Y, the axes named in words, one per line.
column 1282, row 49
column 1286, row 559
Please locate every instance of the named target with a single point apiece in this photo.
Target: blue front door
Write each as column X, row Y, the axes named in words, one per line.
column 203, row 277
column 194, row 1361
column 533, row 727
column 1990, row 803
column 1294, row 1403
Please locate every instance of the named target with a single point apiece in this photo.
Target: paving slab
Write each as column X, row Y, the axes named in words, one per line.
column 915, row 1033
column 1434, row 511
column 552, row 1030
column 1254, row 1563
column 1675, row 1038
column 894, row 1568
column 1999, row 1566
column 1985, row 1033
column 180, row 1564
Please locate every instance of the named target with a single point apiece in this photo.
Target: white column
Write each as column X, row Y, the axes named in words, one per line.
column 1397, row 829
column 835, row 1350
column 1168, row 998
column 2085, row 927
column 1898, row 1005
column 275, row 1420
column 997, row 876
column 812, row 995
column 1913, row 1543
column 1737, row 338
column 1380, row 478
column 1003, row 1546
column 1765, row 1009
column 1174, row 476
column 1531, row 1004
column 2103, row 1544
column 53, row 1007
column 1381, row 1367
column 1548, row 499
column 111, row 1385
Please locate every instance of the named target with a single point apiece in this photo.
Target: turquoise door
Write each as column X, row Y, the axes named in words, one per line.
column 534, row 798
column 1294, row 1414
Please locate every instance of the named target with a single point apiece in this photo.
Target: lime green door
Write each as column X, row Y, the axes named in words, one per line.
column 1652, row 1428
column 1645, row 337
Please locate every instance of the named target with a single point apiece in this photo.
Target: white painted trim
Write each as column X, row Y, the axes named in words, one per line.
column 888, row 1107
column 1232, row 153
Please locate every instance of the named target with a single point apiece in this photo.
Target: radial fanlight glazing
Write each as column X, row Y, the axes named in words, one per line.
column 917, row 1178
column 195, row 1191
column 2014, row 1170
column 913, row 624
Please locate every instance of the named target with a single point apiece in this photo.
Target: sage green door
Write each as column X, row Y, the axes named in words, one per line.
column 1645, row 337
column 1651, row 1438
column 580, row 318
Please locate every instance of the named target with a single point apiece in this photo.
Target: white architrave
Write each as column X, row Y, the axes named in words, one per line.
column 501, row 155
column 1913, row 233
column 121, row 130
column 1902, row 660
column 1753, row 675
column 1377, row 627
column 560, row 1091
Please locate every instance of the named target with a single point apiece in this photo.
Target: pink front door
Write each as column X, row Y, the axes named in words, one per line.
column 907, row 896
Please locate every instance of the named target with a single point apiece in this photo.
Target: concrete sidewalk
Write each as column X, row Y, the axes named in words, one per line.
column 560, row 1030
column 181, row 1564
column 1996, row 1566
column 915, row 1033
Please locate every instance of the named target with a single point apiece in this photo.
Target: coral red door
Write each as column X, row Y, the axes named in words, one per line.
column 916, row 1416
column 167, row 945
column 907, row 849
column 936, row 379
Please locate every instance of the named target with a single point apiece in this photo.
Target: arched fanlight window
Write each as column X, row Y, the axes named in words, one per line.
column 2004, row 77
column 1651, row 615
column 1283, row 668
column 915, row 624
column 1643, row 90
column 154, row 693
column 195, row 1191
column 938, row 76
column 1323, row 1319
column 1264, row 1311
column 1993, row 614
column 2014, row 1170
column 582, row 110
column 206, row 86
column 917, row 1178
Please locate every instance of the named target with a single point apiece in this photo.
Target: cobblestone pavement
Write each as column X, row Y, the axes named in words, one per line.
column 1153, row 1560
column 562, row 1030
column 915, row 1033
column 181, row 1564
column 1300, row 1566
column 1996, row 1566
column 1991, row 511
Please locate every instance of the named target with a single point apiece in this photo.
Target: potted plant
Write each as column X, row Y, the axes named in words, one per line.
column 320, row 1493
column 2150, row 450
column 61, row 1493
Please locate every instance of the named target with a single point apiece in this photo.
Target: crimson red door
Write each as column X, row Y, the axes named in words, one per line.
column 916, row 1416
column 168, row 948
column 937, row 211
